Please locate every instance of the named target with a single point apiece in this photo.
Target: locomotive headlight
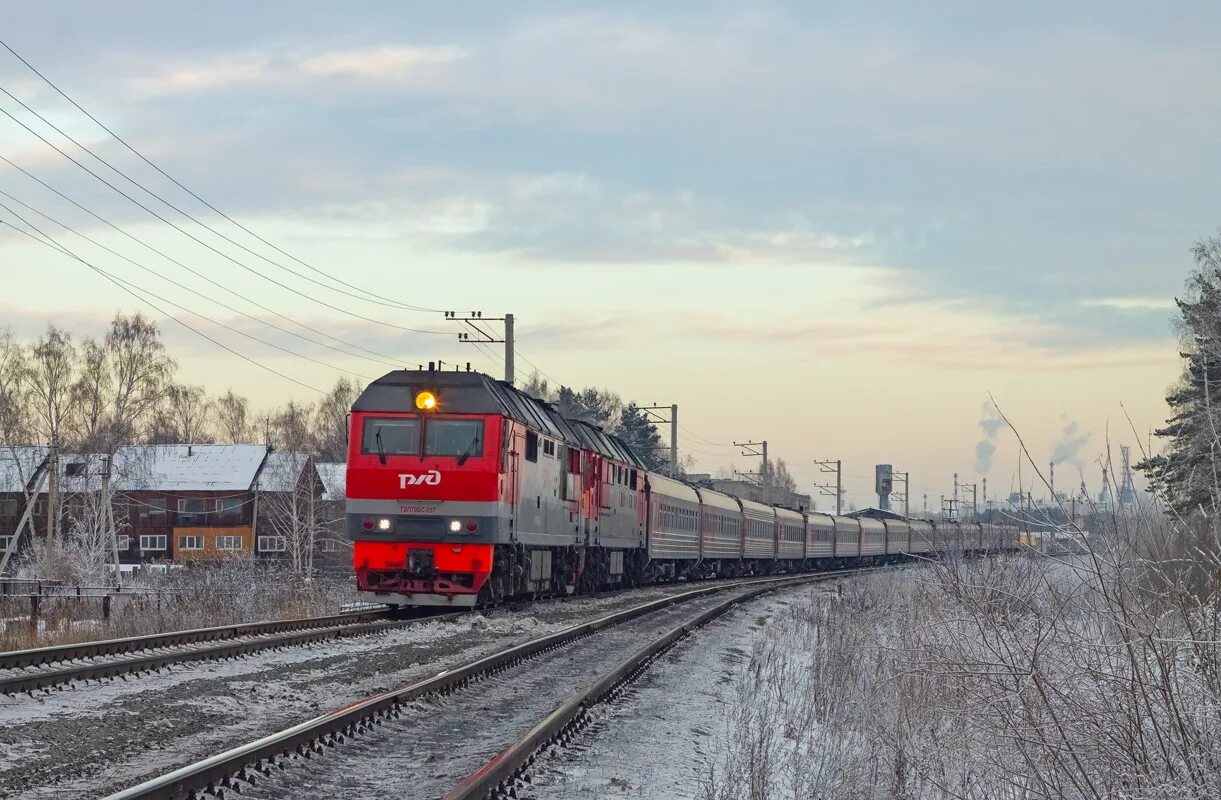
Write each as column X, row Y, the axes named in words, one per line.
column 455, row 525
column 426, row 401
column 383, row 524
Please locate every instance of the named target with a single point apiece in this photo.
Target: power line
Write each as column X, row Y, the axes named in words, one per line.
column 136, row 294
column 184, row 287
column 220, row 253
column 705, row 440
column 178, row 263
column 177, row 183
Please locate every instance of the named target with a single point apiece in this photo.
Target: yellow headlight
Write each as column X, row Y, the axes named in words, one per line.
column 426, row 401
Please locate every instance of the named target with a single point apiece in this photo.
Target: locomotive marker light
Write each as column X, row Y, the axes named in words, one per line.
column 383, row 524
column 426, row 401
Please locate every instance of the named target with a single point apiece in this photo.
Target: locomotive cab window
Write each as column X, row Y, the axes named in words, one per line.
column 453, row 437
column 391, row 437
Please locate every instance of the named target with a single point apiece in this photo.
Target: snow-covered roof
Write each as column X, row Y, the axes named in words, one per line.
column 282, row 471
column 18, row 465
column 334, row 480
column 188, row 467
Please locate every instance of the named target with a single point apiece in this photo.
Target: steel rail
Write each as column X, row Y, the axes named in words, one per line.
column 28, row 682
column 17, row 659
column 496, row 778
column 249, row 762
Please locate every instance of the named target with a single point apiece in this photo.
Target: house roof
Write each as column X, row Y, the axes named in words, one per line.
column 188, row 468
column 334, row 480
column 19, row 466
column 282, row 471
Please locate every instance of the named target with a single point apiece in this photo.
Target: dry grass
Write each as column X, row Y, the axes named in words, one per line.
column 239, row 590
column 1017, row 677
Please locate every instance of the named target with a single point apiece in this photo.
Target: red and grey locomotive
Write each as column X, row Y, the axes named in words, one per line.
column 463, row 491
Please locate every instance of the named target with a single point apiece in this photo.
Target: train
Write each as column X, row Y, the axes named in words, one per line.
column 464, row 491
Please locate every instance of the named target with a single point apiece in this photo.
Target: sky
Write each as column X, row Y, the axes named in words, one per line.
column 843, row 228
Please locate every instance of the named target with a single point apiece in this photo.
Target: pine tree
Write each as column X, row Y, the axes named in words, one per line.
column 642, row 437
column 1187, row 474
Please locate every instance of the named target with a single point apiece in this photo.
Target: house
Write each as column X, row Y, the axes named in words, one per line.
column 21, row 470
column 335, row 547
column 289, row 492
column 184, row 502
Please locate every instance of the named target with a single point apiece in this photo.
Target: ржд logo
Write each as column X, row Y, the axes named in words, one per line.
column 430, row 478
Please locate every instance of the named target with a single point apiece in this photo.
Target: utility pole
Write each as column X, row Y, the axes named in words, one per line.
column 652, row 413
column 481, row 332
column 902, row 477
column 974, row 490
column 53, row 497
column 837, row 488
column 108, row 521
column 765, row 480
column 955, row 505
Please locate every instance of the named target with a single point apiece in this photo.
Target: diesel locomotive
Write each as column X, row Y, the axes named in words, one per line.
column 464, row 491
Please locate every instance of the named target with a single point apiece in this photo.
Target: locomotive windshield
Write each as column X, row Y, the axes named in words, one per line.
column 400, row 436
column 453, row 437
column 391, row 437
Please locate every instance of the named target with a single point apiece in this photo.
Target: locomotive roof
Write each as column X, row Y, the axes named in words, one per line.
column 476, row 393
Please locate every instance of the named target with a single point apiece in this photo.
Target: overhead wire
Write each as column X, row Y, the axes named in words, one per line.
column 189, row 191
column 365, row 295
column 178, row 263
column 183, row 286
column 201, row 242
column 129, row 289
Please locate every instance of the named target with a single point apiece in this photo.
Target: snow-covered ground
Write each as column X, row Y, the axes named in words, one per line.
column 86, row 740
column 660, row 739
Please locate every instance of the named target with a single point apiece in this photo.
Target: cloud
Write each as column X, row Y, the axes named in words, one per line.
column 1130, row 303
column 227, row 71
column 381, row 62
column 286, row 69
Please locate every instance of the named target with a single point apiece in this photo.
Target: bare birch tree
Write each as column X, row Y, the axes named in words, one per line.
column 291, row 508
column 233, row 418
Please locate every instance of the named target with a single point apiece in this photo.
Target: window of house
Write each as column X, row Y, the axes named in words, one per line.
column 190, row 542
column 194, row 505
column 124, row 542
column 5, row 543
column 531, row 446
column 229, row 506
column 74, row 469
column 229, row 542
column 8, row 507
column 155, row 507
column 330, row 546
column 153, row 542
column 270, row 544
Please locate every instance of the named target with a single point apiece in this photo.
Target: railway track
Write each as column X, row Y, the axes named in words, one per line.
column 64, row 665
column 457, row 714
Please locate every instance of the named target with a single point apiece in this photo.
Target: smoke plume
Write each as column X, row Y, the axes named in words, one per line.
column 990, row 423
column 1072, row 439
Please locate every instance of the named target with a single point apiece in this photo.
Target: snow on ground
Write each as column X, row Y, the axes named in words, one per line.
column 660, row 739
column 84, row 740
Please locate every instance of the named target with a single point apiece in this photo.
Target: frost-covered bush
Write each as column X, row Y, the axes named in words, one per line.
column 1023, row 676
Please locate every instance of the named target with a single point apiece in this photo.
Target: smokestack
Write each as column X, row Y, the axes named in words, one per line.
column 1053, row 481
